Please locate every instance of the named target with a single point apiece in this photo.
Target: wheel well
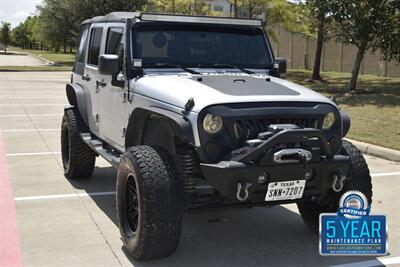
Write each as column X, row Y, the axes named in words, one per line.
column 71, row 96
column 76, row 98
column 150, row 128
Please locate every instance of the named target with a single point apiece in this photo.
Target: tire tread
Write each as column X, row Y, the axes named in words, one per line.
column 161, row 217
column 82, row 157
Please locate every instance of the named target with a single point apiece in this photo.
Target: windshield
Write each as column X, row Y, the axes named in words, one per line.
column 201, row 46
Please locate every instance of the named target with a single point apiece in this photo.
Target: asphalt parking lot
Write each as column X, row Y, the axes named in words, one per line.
column 73, row 223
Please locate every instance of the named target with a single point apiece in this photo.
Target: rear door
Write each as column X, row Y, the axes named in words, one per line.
column 79, row 66
column 79, row 69
column 113, row 119
column 96, row 44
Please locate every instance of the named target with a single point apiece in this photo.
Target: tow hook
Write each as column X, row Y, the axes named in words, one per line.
column 242, row 192
column 337, row 184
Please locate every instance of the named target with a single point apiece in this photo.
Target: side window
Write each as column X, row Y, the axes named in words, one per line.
column 81, row 52
column 115, row 44
column 114, row 41
column 94, row 46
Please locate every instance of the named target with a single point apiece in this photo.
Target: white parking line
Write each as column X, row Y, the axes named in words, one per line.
column 32, row 97
column 385, row 174
column 29, row 130
column 30, row 115
column 32, row 154
column 30, row 105
column 94, row 194
column 371, row 263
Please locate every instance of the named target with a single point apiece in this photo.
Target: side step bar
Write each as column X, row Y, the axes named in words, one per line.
column 98, row 146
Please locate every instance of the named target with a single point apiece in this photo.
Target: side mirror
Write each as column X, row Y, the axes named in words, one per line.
column 108, row 64
column 280, row 65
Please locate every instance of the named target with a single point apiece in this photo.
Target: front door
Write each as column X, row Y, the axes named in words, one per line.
column 113, row 118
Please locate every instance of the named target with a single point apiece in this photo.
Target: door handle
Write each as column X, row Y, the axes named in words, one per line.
column 101, row 83
column 86, row 77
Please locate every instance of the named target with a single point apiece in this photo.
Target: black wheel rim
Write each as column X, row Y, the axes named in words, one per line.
column 132, row 204
column 65, row 147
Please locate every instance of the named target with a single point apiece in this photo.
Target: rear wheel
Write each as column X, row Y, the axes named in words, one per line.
column 358, row 179
column 77, row 158
column 149, row 194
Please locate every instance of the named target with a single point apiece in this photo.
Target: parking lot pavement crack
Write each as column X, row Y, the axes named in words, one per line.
column 61, row 168
column 98, row 229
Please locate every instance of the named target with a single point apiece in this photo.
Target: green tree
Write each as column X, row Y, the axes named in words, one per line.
column 320, row 23
column 20, row 36
column 388, row 41
column 25, row 34
column 56, row 20
column 190, row 7
column 59, row 20
column 35, row 31
column 289, row 15
column 122, row 5
column 364, row 24
column 5, row 35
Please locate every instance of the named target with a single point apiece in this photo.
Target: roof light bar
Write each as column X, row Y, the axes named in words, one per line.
column 200, row 19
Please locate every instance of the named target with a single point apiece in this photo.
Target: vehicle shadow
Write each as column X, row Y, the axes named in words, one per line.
column 260, row 236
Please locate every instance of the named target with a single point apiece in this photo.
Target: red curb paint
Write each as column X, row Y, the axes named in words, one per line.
column 10, row 250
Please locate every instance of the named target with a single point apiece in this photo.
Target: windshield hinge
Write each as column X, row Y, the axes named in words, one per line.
column 188, row 106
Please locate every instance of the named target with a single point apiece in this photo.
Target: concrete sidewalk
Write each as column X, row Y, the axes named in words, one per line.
column 18, row 59
column 378, row 151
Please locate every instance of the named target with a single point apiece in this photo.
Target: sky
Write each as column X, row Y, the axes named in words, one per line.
column 16, row 11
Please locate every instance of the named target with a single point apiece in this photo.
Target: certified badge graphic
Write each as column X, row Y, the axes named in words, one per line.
column 353, row 205
column 353, row 230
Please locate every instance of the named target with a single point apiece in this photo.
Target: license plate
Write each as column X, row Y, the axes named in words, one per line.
column 285, row 190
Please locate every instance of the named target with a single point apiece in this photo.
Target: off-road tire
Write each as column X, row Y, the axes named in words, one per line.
column 78, row 159
column 153, row 229
column 358, row 179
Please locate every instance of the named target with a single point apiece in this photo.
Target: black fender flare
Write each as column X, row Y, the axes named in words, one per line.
column 179, row 125
column 346, row 122
column 76, row 98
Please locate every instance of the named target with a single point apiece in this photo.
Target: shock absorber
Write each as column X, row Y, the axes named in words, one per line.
column 187, row 170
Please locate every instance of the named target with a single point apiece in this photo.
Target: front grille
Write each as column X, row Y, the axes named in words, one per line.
column 250, row 128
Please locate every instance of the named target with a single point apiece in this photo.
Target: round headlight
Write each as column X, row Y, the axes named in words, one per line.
column 329, row 120
column 212, row 123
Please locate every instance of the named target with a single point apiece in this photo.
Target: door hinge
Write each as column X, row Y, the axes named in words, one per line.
column 97, row 118
column 123, row 132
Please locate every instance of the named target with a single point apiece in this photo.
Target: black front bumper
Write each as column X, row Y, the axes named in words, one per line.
column 247, row 164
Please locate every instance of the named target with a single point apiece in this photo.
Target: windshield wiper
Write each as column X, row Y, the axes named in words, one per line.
column 176, row 66
column 233, row 66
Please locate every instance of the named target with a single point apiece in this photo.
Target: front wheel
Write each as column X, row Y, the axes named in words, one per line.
column 358, row 179
column 149, row 202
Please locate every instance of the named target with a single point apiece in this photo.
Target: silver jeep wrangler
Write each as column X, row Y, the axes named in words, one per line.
column 193, row 114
